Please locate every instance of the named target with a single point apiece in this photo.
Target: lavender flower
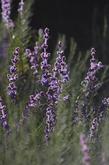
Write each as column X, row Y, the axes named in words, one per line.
column 52, row 93
column 65, row 98
column 85, row 150
column 50, row 121
column 52, row 84
column 33, row 59
column 21, row 7
column 103, row 107
column 90, row 82
column 60, row 66
column 53, row 80
column 3, row 115
column 60, row 69
column 34, row 101
column 54, row 90
column 6, row 10
column 13, row 76
column 45, row 67
column 94, row 127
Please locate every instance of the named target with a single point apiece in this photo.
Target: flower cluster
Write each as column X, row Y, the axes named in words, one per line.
column 45, row 67
column 34, row 101
column 49, row 80
column 90, row 85
column 3, row 115
column 6, row 13
column 53, row 93
column 21, row 7
column 94, row 127
column 85, row 150
column 90, row 82
column 13, row 76
column 50, row 121
column 52, row 78
column 54, row 90
column 33, row 59
column 60, row 66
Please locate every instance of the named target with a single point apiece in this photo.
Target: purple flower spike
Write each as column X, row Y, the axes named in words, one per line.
column 6, row 10
column 33, row 59
column 21, row 7
column 60, row 67
column 13, row 76
column 45, row 67
column 94, row 127
column 34, row 101
column 50, row 121
column 3, row 115
column 52, row 94
column 53, row 79
column 85, row 150
column 90, row 83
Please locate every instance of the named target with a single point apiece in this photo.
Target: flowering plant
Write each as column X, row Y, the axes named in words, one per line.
column 52, row 108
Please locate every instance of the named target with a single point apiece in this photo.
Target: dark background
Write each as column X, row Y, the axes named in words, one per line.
column 71, row 17
column 84, row 20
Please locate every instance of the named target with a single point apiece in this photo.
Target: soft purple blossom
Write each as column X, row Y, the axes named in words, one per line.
column 12, row 90
column 85, row 150
column 50, row 121
column 3, row 115
column 65, row 98
column 94, row 127
column 90, row 83
column 52, row 84
column 45, row 78
column 60, row 67
column 6, row 11
column 34, row 101
column 52, row 78
column 33, row 59
column 54, row 90
column 53, row 94
column 13, row 75
column 59, row 75
column 45, row 67
column 21, row 7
